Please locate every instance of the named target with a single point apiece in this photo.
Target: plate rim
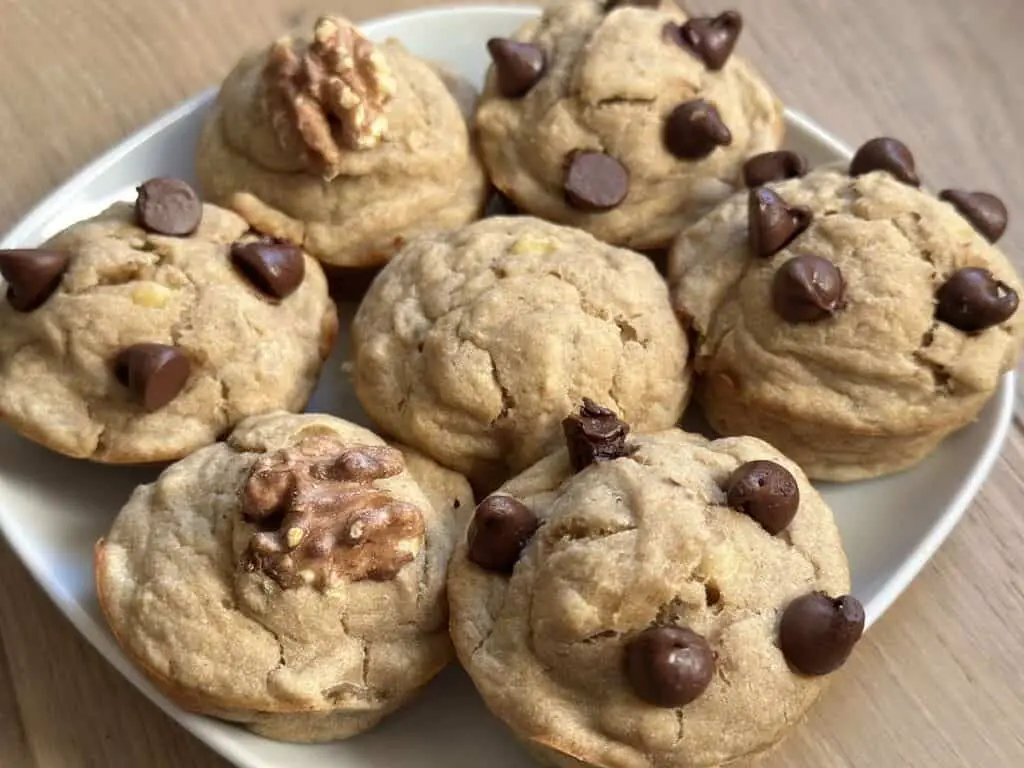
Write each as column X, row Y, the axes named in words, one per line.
column 221, row 737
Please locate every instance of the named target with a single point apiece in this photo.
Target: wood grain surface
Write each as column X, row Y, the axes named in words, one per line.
column 938, row 683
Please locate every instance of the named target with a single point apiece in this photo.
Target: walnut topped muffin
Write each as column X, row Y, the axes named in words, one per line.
column 342, row 145
column 290, row 579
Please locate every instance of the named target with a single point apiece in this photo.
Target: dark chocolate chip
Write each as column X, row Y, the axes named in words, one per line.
column 818, row 632
column 168, row 207
column 983, row 210
column 711, row 38
column 772, row 223
column 153, row 373
column 807, row 289
column 694, row 129
column 275, row 267
column 32, row 275
column 765, row 491
column 669, row 666
column 973, row 300
column 501, row 527
column 773, row 166
column 595, row 181
column 517, row 66
column 594, row 434
column 885, row 154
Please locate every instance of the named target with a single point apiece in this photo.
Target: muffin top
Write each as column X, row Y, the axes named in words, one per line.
column 859, row 301
column 473, row 344
column 640, row 625
column 145, row 333
column 298, row 566
column 626, row 121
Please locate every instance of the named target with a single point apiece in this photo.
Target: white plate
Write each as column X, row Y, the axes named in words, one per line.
column 53, row 509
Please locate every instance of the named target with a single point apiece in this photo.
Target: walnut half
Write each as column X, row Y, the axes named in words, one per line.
column 328, row 95
column 321, row 519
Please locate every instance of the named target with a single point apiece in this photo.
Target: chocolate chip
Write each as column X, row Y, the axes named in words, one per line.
column 669, row 666
column 594, row 434
column 275, row 267
column 973, row 300
column 766, row 492
column 595, row 181
column 773, row 166
column 807, row 289
column 501, row 527
column 772, row 223
column 154, row 373
column 711, row 38
column 885, row 154
column 694, row 129
column 517, row 66
column 32, row 275
column 817, row 632
column 168, row 207
column 984, row 211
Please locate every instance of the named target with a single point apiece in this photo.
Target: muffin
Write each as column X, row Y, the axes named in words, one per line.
column 290, row 579
column 848, row 317
column 473, row 345
column 340, row 145
column 627, row 120
column 652, row 601
column 148, row 331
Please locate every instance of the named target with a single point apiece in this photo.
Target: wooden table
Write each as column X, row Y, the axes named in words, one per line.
column 938, row 683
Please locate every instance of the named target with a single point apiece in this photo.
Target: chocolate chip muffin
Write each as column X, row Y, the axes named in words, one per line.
column 652, row 601
column 148, row 331
column 341, row 145
column 473, row 345
column 290, row 579
column 625, row 119
column 848, row 317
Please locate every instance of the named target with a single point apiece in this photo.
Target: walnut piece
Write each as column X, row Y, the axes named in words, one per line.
column 321, row 519
column 329, row 95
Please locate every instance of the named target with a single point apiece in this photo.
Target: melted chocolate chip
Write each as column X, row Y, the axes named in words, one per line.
column 817, row 633
column 807, row 289
column 168, row 207
column 501, row 527
column 517, row 66
column 885, row 154
column 773, row 166
column 765, row 491
column 669, row 666
column 973, row 300
column 711, row 38
column 154, row 373
column 773, row 224
column 594, row 434
column 986, row 212
column 694, row 129
column 275, row 267
column 595, row 181
column 32, row 276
